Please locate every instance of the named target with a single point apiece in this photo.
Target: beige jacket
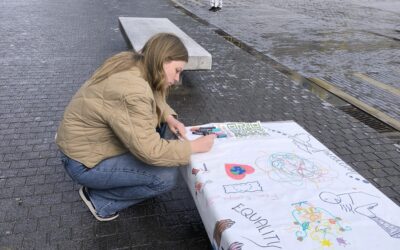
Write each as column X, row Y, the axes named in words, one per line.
column 115, row 116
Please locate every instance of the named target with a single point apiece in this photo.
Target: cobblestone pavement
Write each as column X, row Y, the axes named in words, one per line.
column 48, row 49
column 351, row 44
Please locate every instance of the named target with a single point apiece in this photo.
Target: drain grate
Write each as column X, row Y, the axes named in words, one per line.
column 367, row 119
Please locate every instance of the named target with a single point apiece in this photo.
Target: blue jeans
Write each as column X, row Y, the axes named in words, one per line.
column 121, row 181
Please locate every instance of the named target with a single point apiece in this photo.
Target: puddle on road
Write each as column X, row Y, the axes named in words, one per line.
column 323, row 94
column 312, row 87
column 294, row 76
column 325, row 53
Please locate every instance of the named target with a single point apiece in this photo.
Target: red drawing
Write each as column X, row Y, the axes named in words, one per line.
column 195, row 171
column 238, row 171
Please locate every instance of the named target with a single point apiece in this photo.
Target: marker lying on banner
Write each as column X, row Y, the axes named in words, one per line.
column 202, row 128
column 200, row 132
column 221, row 135
column 205, row 129
column 208, row 131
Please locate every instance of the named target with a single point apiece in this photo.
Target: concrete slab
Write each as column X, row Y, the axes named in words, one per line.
column 138, row 30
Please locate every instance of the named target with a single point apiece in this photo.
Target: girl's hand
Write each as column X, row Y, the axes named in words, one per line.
column 177, row 127
column 202, row 144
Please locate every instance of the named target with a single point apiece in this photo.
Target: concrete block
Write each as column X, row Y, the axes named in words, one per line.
column 137, row 31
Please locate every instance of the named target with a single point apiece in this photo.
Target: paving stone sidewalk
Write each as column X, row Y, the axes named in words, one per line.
column 49, row 48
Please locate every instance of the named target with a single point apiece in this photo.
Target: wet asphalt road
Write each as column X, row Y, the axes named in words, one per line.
column 353, row 46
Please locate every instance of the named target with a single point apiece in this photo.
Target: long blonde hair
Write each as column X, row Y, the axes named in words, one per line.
column 159, row 49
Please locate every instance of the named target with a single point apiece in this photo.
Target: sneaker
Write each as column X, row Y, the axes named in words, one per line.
column 212, row 9
column 85, row 197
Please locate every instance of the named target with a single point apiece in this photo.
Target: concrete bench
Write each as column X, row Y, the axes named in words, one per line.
column 137, row 31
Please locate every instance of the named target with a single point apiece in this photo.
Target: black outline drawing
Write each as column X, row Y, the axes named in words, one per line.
column 252, row 186
column 346, row 203
column 301, row 140
column 265, row 246
column 356, row 176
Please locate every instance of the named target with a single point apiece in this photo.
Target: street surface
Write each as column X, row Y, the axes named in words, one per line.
column 49, row 48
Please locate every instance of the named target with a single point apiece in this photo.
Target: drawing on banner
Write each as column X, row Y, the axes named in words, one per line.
column 243, row 129
column 199, row 186
column 277, row 131
column 231, row 129
column 363, row 204
column 337, row 160
column 356, row 176
column 243, row 187
column 235, row 246
column 232, row 197
column 195, row 171
column 391, row 229
column 261, row 224
column 295, row 170
column 347, row 201
column 220, row 227
column 212, row 199
column 238, row 171
column 318, row 224
column 301, row 140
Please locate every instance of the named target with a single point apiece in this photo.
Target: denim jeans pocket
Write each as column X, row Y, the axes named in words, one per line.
column 73, row 168
column 64, row 160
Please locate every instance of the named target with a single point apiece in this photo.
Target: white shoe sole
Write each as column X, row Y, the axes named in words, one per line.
column 92, row 209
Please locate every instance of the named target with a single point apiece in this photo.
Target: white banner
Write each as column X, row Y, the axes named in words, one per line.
column 273, row 185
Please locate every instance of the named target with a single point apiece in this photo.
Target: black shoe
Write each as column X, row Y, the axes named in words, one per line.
column 85, row 197
column 212, row 9
column 218, row 8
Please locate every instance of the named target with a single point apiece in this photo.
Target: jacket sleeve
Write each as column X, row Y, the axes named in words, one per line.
column 133, row 125
column 168, row 111
column 165, row 108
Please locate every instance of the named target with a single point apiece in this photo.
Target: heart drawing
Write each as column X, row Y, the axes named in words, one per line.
column 238, row 171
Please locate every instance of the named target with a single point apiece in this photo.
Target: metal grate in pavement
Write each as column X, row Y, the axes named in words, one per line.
column 367, row 119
